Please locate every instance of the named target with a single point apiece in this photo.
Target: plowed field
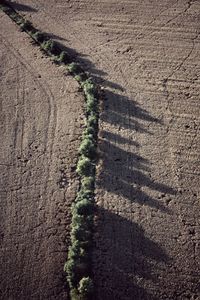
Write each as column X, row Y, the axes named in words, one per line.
column 145, row 54
column 41, row 118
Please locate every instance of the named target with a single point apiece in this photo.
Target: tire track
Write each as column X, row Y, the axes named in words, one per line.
column 52, row 112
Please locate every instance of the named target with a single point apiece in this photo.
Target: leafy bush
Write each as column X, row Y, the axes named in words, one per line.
column 89, row 87
column 49, row 46
column 84, row 207
column 85, row 194
column 64, row 57
column 87, row 148
column 74, row 68
column 84, row 166
column 91, row 103
column 39, row 36
column 82, row 220
column 4, row 8
column 25, row 25
column 85, row 287
column 87, row 183
column 80, row 233
column 89, row 130
column 92, row 120
column 81, row 77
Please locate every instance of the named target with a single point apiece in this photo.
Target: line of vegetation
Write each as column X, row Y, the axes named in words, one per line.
column 78, row 264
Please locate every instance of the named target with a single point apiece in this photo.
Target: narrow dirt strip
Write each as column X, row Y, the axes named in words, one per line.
column 78, row 279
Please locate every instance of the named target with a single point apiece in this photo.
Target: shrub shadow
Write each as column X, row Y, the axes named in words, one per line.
column 122, row 251
column 123, row 173
column 123, row 257
column 20, row 7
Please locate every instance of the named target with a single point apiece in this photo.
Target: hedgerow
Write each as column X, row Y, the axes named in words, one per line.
column 78, row 264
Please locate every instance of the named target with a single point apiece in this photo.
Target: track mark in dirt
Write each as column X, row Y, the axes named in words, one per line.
column 141, row 251
column 41, row 121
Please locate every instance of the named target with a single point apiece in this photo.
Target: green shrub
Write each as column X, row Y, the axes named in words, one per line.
column 87, row 147
column 81, row 77
column 87, row 183
column 63, row 58
column 74, row 68
column 74, row 250
column 81, row 233
column 84, row 222
column 89, row 87
column 78, row 78
column 75, row 270
column 4, row 8
column 74, row 294
column 25, row 25
column 89, row 130
column 49, row 46
column 84, row 207
column 85, row 194
column 39, row 36
column 85, row 287
column 15, row 17
column 70, row 269
column 84, row 166
column 92, row 120
column 91, row 103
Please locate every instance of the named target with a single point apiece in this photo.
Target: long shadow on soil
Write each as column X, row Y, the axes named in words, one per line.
column 123, row 257
column 20, row 7
column 122, row 251
column 124, row 172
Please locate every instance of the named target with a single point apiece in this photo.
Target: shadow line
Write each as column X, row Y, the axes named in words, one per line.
column 123, row 257
column 20, row 7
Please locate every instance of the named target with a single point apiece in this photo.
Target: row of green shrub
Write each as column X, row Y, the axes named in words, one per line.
column 78, row 265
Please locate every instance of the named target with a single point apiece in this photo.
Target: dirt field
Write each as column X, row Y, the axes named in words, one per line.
column 146, row 56
column 41, row 118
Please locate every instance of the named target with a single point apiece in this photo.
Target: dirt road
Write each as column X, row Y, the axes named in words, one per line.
column 146, row 56
column 41, row 118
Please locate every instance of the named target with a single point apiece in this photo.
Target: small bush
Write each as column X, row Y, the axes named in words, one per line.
column 81, row 232
column 91, row 103
column 74, row 68
column 74, row 294
column 74, row 250
column 39, row 36
column 84, row 207
column 89, row 130
column 92, row 120
column 25, row 25
column 80, row 77
column 89, row 87
column 49, row 46
column 4, row 8
column 87, row 183
column 85, row 287
column 87, row 148
column 81, row 220
column 63, row 58
column 84, row 166
column 85, row 194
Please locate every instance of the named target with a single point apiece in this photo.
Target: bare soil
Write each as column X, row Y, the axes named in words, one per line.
column 41, row 126
column 145, row 54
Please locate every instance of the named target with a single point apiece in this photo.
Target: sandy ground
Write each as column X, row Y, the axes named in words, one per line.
column 146, row 56
column 41, row 118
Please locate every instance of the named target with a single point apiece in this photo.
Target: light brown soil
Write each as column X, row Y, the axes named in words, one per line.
column 146, row 55
column 41, row 119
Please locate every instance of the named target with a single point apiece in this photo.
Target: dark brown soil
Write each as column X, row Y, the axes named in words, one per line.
column 146, row 56
column 41, row 118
